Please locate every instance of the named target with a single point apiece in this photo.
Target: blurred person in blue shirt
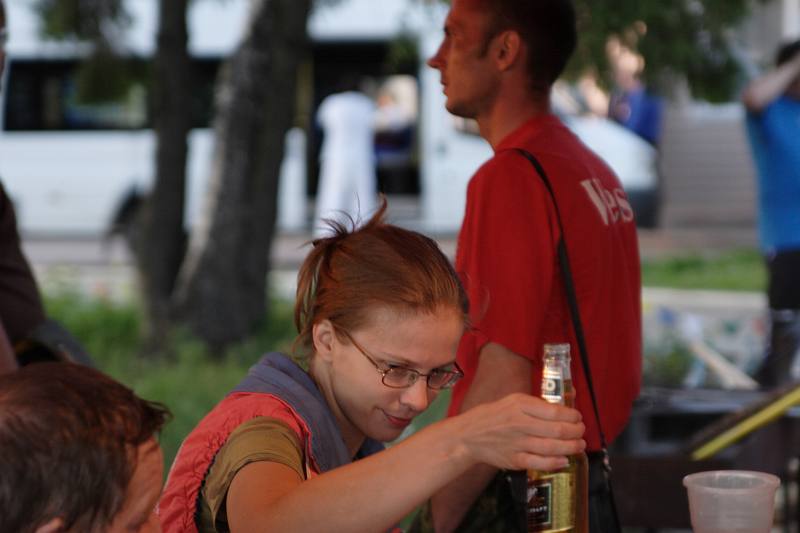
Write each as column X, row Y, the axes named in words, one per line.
column 772, row 102
column 639, row 111
column 630, row 103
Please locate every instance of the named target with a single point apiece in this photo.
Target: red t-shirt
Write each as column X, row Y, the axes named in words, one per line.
column 507, row 261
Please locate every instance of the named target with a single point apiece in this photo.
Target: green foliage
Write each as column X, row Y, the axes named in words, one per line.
column 740, row 270
column 84, row 20
column 689, row 38
column 403, row 56
column 103, row 76
column 667, row 360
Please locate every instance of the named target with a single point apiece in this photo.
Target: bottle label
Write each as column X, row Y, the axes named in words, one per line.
column 551, row 502
column 552, row 386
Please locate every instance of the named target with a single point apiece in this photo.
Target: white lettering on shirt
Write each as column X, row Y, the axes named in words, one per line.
column 612, row 206
column 595, row 197
column 624, row 205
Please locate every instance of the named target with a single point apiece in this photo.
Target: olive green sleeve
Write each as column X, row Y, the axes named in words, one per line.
column 259, row 439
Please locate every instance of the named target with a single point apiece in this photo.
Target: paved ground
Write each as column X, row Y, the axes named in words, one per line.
column 289, row 249
column 104, row 268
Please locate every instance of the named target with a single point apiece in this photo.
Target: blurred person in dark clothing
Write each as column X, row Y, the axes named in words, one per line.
column 26, row 335
column 772, row 102
column 21, row 308
column 79, row 453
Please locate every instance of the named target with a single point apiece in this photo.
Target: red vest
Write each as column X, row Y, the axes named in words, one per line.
column 178, row 506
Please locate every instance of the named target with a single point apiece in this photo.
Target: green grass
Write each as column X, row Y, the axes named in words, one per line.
column 740, row 270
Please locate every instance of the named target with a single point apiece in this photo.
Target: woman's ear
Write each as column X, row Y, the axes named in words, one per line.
column 53, row 526
column 323, row 336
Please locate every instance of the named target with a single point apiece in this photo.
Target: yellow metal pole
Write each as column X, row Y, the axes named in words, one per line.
column 758, row 419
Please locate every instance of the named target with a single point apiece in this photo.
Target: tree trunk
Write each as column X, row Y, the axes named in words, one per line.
column 222, row 288
column 161, row 244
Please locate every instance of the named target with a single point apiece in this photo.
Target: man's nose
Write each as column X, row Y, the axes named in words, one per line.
column 432, row 61
column 435, row 60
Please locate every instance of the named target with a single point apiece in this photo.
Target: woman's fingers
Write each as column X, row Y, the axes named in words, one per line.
column 547, row 454
column 541, row 419
column 556, row 430
column 521, row 431
column 534, row 406
column 550, row 447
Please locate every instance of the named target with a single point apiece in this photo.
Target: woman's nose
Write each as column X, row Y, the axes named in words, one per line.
column 417, row 395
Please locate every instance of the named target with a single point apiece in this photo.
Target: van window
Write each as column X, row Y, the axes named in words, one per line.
column 42, row 95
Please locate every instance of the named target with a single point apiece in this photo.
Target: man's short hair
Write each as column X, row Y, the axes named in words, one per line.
column 786, row 52
column 548, row 28
column 69, row 437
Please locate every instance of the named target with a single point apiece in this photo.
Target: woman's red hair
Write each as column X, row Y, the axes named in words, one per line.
column 375, row 265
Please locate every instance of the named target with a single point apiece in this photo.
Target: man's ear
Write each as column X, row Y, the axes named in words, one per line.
column 53, row 526
column 323, row 336
column 508, row 49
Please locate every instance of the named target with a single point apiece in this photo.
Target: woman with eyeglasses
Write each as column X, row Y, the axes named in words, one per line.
column 380, row 312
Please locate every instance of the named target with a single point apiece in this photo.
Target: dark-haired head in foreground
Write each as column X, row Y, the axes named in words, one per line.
column 78, row 452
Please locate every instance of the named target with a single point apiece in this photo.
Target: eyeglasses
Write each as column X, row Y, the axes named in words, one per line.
column 401, row 377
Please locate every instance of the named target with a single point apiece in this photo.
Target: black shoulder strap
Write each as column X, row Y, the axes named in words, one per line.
column 569, row 286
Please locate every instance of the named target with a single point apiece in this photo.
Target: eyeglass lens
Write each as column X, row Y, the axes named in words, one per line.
column 405, row 377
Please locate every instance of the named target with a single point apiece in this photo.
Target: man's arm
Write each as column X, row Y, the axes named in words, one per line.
column 500, row 372
column 764, row 90
column 8, row 359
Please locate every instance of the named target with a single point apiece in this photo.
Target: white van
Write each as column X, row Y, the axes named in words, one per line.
column 70, row 168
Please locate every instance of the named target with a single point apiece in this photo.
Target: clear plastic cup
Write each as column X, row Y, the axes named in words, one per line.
column 731, row 501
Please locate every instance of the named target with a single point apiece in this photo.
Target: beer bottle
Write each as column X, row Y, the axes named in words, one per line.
column 559, row 500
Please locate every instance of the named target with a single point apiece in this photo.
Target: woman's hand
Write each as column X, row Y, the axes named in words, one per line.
column 520, row 432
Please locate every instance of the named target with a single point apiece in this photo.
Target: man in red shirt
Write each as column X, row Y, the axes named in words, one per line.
column 498, row 61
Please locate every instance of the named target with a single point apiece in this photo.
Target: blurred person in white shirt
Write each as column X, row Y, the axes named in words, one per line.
column 347, row 181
